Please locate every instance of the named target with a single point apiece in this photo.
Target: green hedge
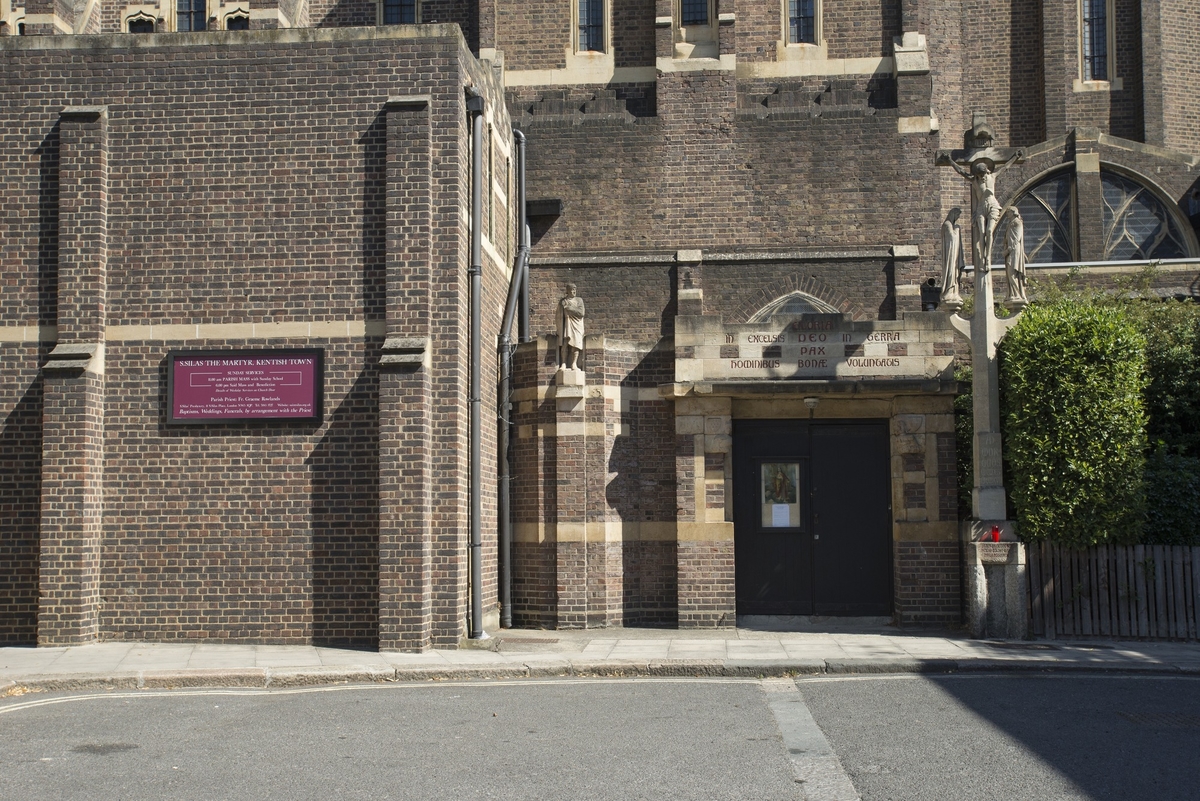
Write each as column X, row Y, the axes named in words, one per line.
column 1074, row 422
column 1172, row 331
column 1173, row 499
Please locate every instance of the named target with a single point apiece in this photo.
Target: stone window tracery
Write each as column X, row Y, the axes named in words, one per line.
column 142, row 23
column 1048, row 215
column 1137, row 225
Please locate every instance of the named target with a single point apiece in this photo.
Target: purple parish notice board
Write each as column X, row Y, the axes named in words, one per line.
column 222, row 386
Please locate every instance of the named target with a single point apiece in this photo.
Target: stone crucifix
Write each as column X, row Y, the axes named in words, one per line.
column 980, row 163
column 995, row 562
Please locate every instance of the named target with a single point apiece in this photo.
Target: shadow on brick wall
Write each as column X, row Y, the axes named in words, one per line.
column 345, row 520
column 374, row 219
column 20, row 501
column 642, row 490
column 47, row 245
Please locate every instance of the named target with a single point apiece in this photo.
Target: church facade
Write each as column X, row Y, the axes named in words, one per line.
column 255, row 256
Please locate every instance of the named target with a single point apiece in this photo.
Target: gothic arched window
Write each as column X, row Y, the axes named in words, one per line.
column 1047, row 210
column 1137, row 225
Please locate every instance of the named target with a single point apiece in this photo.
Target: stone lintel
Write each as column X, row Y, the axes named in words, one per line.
column 407, row 102
column 84, row 113
column 800, row 387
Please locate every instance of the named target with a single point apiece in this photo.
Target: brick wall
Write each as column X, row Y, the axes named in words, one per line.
column 928, row 590
column 617, row 479
column 633, row 33
column 20, row 490
column 1002, row 69
column 534, row 35
column 704, row 175
column 257, row 209
column 1180, row 73
column 861, row 28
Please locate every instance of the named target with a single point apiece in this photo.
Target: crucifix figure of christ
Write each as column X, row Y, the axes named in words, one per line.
column 981, row 165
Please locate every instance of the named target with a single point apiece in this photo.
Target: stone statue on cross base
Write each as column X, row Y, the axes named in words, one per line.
column 952, row 261
column 1014, row 259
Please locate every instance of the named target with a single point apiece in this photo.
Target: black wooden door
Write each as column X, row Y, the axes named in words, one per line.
column 772, row 527
column 812, row 517
column 851, row 519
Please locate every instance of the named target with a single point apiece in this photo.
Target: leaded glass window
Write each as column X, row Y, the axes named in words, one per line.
column 802, row 21
column 591, row 25
column 1095, row 40
column 399, row 12
column 1046, row 209
column 191, row 15
column 693, row 12
column 1137, row 225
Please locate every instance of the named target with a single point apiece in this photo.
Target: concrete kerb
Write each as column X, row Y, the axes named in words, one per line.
column 280, row 678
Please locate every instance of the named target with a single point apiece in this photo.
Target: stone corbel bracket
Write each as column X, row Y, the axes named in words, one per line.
column 405, row 353
column 74, row 356
column 911, row 54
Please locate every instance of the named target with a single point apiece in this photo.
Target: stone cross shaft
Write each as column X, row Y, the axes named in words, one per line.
column 980, row 163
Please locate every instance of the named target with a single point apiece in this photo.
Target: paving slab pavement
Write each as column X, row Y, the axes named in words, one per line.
column 524, row 653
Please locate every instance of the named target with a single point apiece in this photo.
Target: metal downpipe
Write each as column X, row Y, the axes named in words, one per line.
column 475, row 108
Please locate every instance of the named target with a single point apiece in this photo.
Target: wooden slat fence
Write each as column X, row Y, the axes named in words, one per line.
column 1137, row 591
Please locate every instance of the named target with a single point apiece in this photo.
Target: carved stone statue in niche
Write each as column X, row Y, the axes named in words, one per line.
column 570, row 330
column 953, row 262
column 1014, row 259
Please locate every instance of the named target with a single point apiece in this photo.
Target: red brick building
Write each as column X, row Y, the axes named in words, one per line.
column 744, row 194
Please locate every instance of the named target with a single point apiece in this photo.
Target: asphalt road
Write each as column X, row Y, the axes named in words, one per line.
column 1013, row 737
column 953, row 737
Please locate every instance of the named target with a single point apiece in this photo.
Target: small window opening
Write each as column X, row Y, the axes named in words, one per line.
column 1095, row 40
column 141, row 26
column 399, row 12
column 237, row 24
column 191, row 15
column 693, row 12
column 591, row 25
column 802, row 21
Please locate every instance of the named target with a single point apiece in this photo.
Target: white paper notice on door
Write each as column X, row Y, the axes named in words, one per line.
column 781, row 515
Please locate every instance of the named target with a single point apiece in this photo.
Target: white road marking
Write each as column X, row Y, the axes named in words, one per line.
column 817, row 768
